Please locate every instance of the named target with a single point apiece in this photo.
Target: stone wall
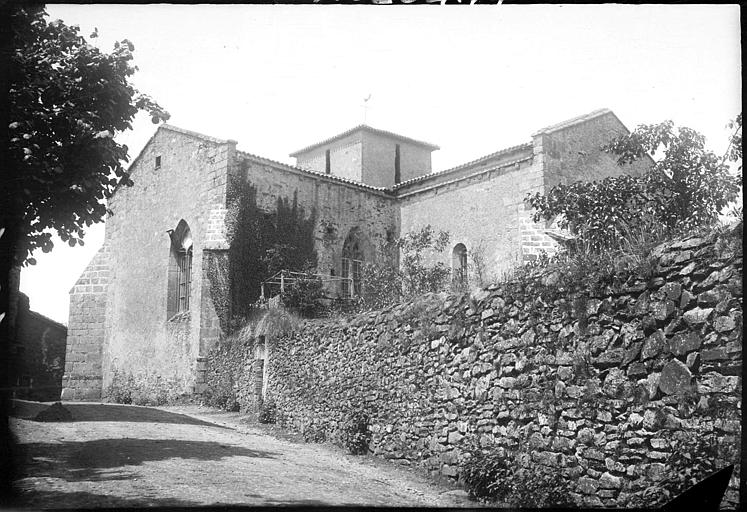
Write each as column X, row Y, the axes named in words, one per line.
column 86, row 330
column 142, row 346
column 346, row 158
column 485, row 212
column 481, row 203
column 40, row 350
column 378, row 160
column 339, row 207
column 606, row 388
column 573, row 153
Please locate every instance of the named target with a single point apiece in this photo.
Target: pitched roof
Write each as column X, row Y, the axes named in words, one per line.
column 47, row 320
column 208, row 138
column 574, row 121
column 460, row 167
column 315, row 174
column 365, row 127
column 182, row 131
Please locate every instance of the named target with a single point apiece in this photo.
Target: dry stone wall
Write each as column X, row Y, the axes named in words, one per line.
column 612, row 390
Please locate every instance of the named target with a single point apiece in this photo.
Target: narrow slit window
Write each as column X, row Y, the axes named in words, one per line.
column 397, row 175
column 158, row 162
column 327, row 162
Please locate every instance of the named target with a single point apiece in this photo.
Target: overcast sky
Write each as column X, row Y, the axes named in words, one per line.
column 471, row 79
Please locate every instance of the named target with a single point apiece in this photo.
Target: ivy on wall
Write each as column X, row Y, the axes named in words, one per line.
column 216, row 264
column 262, row 243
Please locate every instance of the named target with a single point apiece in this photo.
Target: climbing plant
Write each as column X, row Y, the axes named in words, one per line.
column 264, row 242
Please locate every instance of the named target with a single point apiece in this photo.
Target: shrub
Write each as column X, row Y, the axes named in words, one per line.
column 274, row 323
column 687, row 188
column 493, row 475
column 539, row 487
column 390, row 281
column 120, row 389
column 304, row 296
column 354, row 432
column 125, row 389
column 485, row 474
column 267, row 411
column 314, row 432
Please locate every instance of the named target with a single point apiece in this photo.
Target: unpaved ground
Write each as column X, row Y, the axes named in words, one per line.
column 120, row 456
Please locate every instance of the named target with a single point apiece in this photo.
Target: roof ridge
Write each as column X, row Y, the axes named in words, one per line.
column 574, row 120
column 350, row 131
column 464, row 165
column 315, row 173
column 184, row 131
column 44, row 317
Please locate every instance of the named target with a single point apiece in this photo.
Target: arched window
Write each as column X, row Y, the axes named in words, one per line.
column 352, row 264
column 180, row 269
column 459, row 264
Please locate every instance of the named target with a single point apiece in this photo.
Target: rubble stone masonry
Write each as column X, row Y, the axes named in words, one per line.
column 604, row 387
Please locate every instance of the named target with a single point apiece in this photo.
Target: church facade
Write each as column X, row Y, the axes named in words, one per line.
column 146, row 306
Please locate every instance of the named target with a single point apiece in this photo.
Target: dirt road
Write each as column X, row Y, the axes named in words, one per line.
column 120, row 456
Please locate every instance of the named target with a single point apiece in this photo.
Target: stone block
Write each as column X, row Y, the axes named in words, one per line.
column 675, row 378
column 697, row 316
column 715, row 354
column 724, row 324
column 682, row 343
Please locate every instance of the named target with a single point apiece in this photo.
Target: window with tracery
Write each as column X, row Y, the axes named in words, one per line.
column 180, row 270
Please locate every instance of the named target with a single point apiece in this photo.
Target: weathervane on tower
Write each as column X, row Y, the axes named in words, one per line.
column 365, row 107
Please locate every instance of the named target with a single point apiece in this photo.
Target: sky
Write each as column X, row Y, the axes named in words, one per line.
column 471, row 79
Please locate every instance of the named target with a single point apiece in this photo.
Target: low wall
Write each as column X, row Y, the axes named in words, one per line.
column 611, row 389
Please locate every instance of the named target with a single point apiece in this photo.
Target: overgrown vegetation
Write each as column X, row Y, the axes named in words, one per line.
column 227, row 361
column 479, row 265
column 67, row 100
column 223, row 365
column 616, row 222
column 491, row 474
column 304, row 295
column 267, row 411
column 386, row 282
column 355, row 432
column 686, row 188
column 694, row 457
column 263, row 243
column 315, row 432
column 124, row 388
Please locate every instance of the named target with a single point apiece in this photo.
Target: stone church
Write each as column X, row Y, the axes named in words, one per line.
column 144, row 307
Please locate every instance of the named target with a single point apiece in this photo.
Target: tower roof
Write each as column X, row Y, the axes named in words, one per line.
column 365, row 127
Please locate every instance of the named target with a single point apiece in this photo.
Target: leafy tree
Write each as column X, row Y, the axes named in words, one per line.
column 303, row 294
column 386, row 281
column 66, row 101
column 417, row 277
column 686, row 188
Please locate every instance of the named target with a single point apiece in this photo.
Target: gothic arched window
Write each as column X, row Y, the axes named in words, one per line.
column 180, row 270
column 352, row 265
column 459, row 264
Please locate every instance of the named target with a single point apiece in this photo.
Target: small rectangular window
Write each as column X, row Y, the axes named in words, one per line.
column 158, row 162
column 327, row 163
column 397, row 176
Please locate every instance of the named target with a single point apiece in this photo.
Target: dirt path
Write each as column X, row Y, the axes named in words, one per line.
column 120, row 456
